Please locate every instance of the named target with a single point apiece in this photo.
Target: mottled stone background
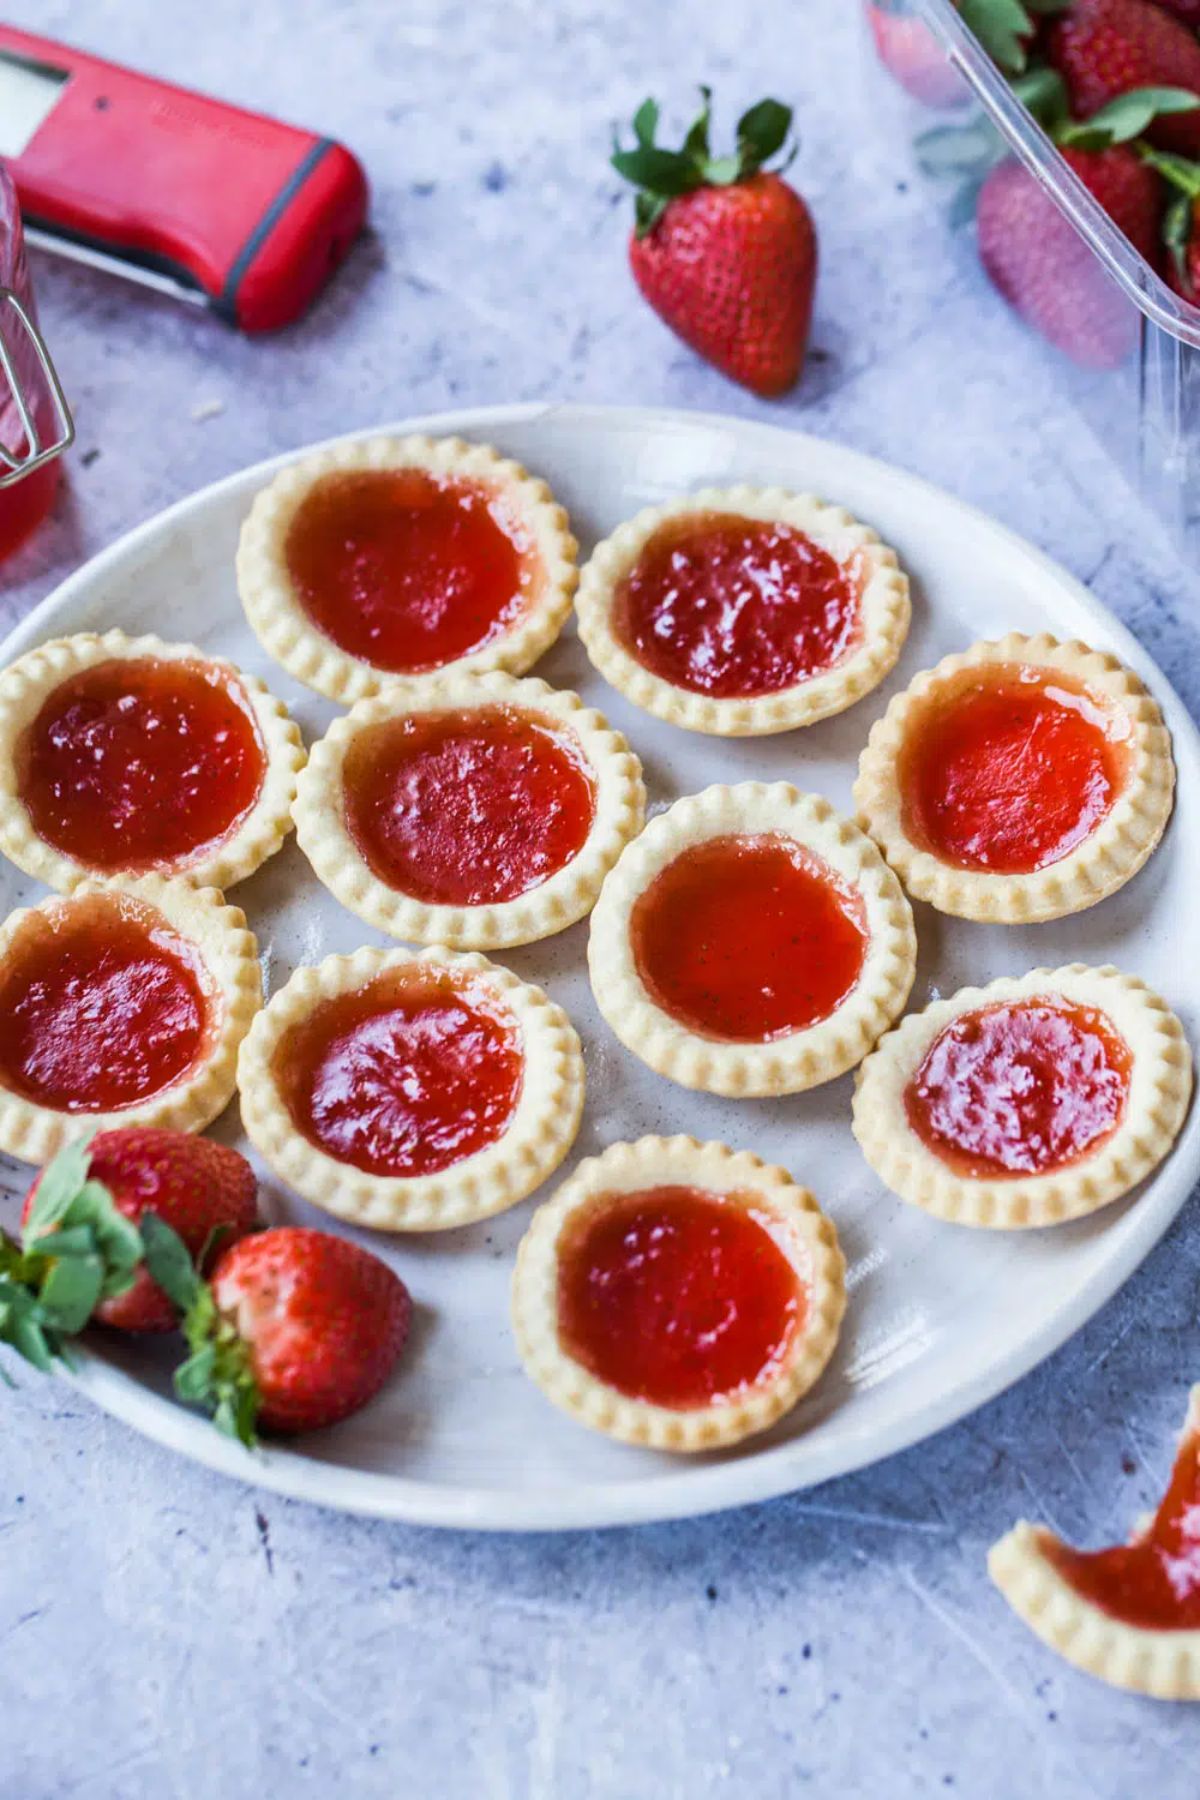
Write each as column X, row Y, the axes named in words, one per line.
column 163, row 1632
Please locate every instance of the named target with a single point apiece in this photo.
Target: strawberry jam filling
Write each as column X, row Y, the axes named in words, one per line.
column 1012, row 772
column 676, row 1296
column 1154, row 1582
column 1022, row 1088
column 405, row 1076
column 748, row 938
column 408, row 570
column 103, row 1006
column 736, row 607
column 462, row 809
column 140, row 764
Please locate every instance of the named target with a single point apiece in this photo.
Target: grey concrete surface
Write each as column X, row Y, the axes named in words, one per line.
column 163, row 1632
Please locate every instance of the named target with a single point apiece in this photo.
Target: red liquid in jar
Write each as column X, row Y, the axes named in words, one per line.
column 676, row 1296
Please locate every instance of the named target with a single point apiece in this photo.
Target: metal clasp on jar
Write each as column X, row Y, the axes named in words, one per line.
column 15, row 465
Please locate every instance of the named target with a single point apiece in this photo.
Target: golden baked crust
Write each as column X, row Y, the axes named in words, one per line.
column 538, row 1136
column 886, row 611
column 229, row 955
column 1159, row 1090
column 27, row 683
column 1163, row 1664
column 804, row 1058
column 1103, row 862
column 802, row 1231
column 568, row 894
column 288, row 634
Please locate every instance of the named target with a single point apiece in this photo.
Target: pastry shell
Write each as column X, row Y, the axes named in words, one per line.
column 27, row 683
column 538, row 1136
column 1163, row 1664
column 1106, row 859
column 1160, row 1087
column 885, row 611
column 288, row 634
column 567, row 895
column 802, row 1231
column 229, row 954
column 784, row 1065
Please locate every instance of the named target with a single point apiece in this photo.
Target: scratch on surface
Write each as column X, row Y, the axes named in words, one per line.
column 852, row 1516
column 954, row 1626
column 1089, row 1486
column 264, row 1538
column 1108, row 1349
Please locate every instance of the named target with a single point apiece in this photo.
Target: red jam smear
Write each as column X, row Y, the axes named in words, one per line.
column 677, row 1296
column 404, row 1077
column 103, row 1006
column 1012, row 772
column 467, row 808
column 1021, row 1088
column 748, row 938
column 736, row 607
column 140, row 764
column 408, row 570
column 1155, row 1582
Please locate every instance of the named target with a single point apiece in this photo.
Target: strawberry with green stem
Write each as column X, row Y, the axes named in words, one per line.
column 723, row 249
column 294, row 1329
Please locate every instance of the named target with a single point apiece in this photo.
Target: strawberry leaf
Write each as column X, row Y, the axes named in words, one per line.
column 695, row 144
column 662, row 172
column 169, row 1263
column 58, row 1185
column 1044, row 93
column 69, row 1293
column 1177, row 236
column 645, row 122
column 218, row 1373
column 1178, row 170
column 955, row 150
column 1127, row 117
column 761, row 132
column 1003, row 27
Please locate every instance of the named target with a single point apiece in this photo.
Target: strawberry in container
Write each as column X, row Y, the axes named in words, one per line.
column 35, row 423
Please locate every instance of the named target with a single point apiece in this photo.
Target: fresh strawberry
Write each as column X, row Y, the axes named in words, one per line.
column 724, row 252
column 1045, row 270
column 203, row 1189
column 295, row 1329
column 913, row 57
column 1103, row 48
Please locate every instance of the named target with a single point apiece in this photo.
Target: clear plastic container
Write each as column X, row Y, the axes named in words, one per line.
column 1135, row 374
column 35, row 423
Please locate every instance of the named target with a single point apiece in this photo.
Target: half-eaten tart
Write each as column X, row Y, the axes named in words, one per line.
column 392, row 558
column 751, row 942
column 474, row 811
column 743, row 611
column 1027, row 1102
column 122, row 1004
column 1129, row 1614
column 677, row 1294
column 411, row 1090
column 126, row 756
column 1021, row 780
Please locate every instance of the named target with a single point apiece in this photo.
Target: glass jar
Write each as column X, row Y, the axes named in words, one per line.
column 35, row 423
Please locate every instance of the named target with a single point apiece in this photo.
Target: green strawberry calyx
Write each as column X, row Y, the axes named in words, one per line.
column 218, row 1373
column 661, row 175
column 1183, row 176
column 76, row 1249
column 1005, row 28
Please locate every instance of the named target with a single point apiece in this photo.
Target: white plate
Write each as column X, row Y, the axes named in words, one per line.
column 940, row 1318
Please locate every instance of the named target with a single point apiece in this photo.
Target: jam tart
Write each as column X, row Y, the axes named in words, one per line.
column 677, row 1294
column 1129, row 1614
column 123, row 1004
column 126, row 756
column 742, row 611
column 386, row 558
column 1021, row 780
column 751, row 942
column 1027, row 1102
column 411, row 1090
column 471, row 810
